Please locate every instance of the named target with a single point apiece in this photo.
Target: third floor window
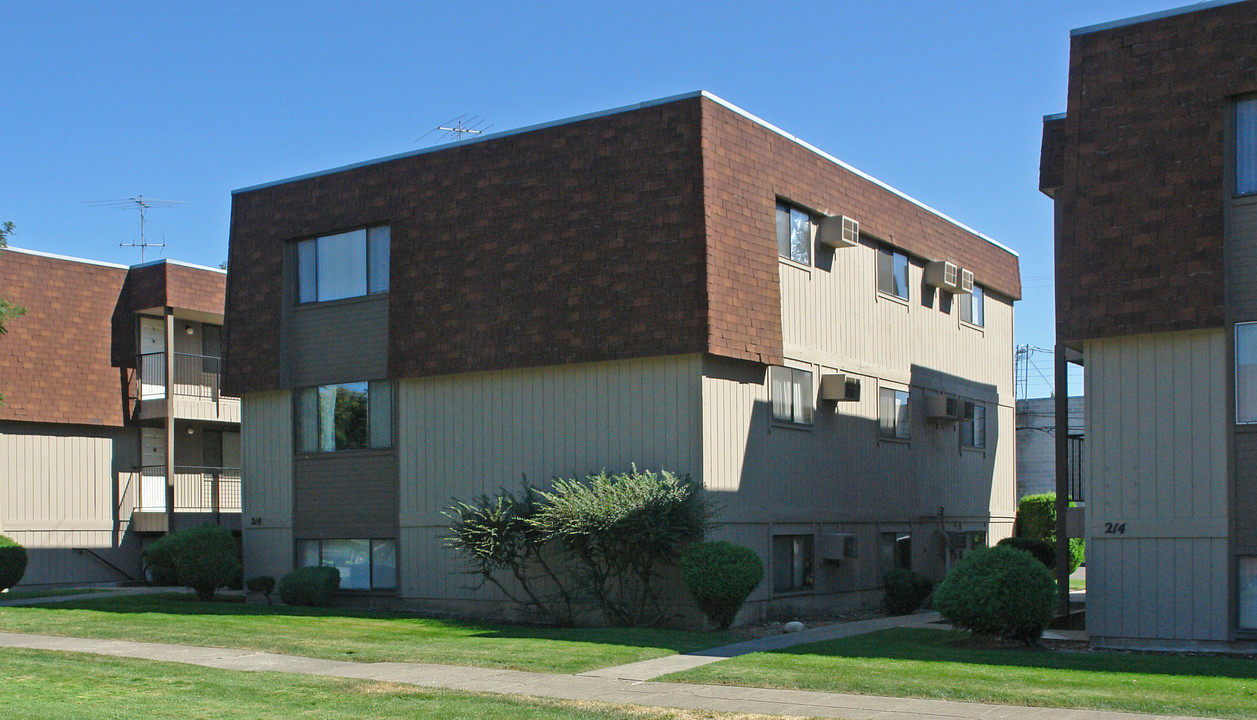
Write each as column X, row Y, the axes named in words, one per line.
column 349, row 264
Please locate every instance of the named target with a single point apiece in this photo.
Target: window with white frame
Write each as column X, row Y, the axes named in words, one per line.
column 892, row 273
column 973, row 425
column 1246, row 147
column 896, row 551
column 349, row 264
column 364, row 564
column 345, row 416
column 794, row 233
column 1246, row 372
column 791, row 393
column 892, row 414
column 793, row 560
column 972, row 307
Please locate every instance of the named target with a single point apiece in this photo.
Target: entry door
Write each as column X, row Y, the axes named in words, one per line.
column 152, row 363
column 153, row 476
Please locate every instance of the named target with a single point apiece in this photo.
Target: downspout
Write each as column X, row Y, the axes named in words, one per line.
column 170, row 419
column 1062, row 481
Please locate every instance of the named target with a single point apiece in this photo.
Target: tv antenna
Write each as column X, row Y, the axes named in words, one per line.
column 143, row 203
column 459, row 128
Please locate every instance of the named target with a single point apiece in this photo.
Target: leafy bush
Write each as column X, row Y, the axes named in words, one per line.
column 1036, row 517
column 999, row 591
column 905, row 591
column 204, row 558
column 720, row 576
column 310, row 586
column 1042, row 550
column 12, row 562
column 264, row 584
column 615, row 532
column 1077, row 553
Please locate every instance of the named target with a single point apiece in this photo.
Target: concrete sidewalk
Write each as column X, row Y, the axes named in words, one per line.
column 572, row 687
column 108, row 592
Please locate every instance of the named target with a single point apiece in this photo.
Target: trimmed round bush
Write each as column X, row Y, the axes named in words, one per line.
column 203, row 558
column 905, row 591
column 720, row 576
column 264, row 584
column 1042, row 550
column 310, row 586
column 12, row 562
column 1036, row 516
column 1001, row 592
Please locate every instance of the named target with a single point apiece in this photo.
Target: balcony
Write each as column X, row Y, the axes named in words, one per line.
column 196, row 490
column 195, row 390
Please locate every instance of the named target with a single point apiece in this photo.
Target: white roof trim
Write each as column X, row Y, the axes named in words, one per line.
column 1152, row 16
column 101, row 263
column 638, row 106
column 1054, row 116
column 55, row 256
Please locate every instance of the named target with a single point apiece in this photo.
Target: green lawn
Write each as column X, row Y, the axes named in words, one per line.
column 51, row 686
column 926, row 663
column 59, row 592
column 350, row 635
column 1076, row 585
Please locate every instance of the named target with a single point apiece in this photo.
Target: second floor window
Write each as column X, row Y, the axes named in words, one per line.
column 345, row 416
column 892, row 413
column 794, row 234
column 892, row 273
column 1246, row 147
column 350, row 264
column 973, row 425
column 791, row 392
column 972, row 307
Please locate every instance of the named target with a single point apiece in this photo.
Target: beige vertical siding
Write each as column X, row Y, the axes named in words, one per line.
column 462, row 435
column 1165, row 576
column 266, row 483
column 60, row 490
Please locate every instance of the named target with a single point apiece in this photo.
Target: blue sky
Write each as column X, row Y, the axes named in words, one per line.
column 188, row 101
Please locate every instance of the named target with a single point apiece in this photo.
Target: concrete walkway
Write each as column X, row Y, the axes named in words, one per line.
column 108, row 592
column 572, row 687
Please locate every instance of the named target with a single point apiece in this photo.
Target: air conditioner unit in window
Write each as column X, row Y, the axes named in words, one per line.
column 943, row 275
column 966, row 281
column 942, row 407
column 837, row 546
column 839, row 231
column 840, row 387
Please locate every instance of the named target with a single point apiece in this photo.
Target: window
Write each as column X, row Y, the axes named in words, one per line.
column 892, row 273
column 972, row 308
column 348, row 416
column 892, row 413
column 792, row 563
column 896, row 550
column 1247, row 596
column 346, row 265
column 1246, row 147
column 791, row 392
column 1246, row 372
column 363, row 564
column 794, row 234
column 973, row 425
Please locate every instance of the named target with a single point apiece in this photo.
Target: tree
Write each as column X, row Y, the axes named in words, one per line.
column 9, row 310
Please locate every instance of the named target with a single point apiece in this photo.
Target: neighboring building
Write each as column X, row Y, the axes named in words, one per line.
column 97, row 416
column 1036, row 447
column 1152, row 169
column 670, row 284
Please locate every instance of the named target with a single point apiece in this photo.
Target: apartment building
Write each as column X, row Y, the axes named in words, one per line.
column 676, row 284
column 107, row 439
column 1152, row 168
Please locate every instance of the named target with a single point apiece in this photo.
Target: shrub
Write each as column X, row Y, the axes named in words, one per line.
column 719, row 576
column 905, row 591
column 999, row 591
column 1042, row 550
column 1036, row 517
column 264, row 584
column 12, row 562
column 310, row 586
column 203, row 558
column 615, row 534
column 159, row 559
column 1077, row 553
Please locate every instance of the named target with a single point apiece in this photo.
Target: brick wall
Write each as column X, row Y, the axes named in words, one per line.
column 1140, row 236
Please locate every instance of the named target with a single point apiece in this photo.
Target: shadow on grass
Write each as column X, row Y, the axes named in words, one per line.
column 928, row 645
column 186, row 604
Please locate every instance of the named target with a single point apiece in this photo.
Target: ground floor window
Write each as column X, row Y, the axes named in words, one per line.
column 792, row 562
column 961, row 542
column 896, row 551
column 1248, row 593
column 363, row 564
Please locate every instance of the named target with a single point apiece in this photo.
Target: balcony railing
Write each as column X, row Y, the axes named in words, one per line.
column 1075, row 467
column 197, row 489
column 197, row 376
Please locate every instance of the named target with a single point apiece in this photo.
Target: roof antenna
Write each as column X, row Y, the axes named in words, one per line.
column 459, row 128
column 143, row 203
